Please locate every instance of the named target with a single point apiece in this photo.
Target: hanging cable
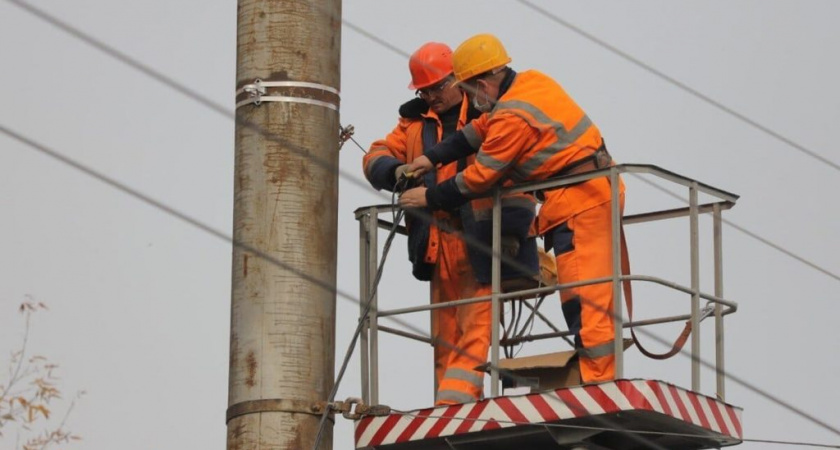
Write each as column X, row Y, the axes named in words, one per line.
column 399, row 187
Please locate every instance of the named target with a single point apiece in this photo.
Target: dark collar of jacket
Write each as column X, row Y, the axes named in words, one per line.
column 507, row 82
column 417, row 109
column 414, row 108
column 510, row 75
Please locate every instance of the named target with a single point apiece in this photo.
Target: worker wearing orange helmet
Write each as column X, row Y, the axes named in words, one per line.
column 437, row 247
column 532, row 130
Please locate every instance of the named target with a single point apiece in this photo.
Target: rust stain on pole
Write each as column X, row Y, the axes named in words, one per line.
column 234, row 350
column 251, row 363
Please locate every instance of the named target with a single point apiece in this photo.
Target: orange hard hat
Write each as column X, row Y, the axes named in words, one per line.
column 430, row 64
column 478, row 54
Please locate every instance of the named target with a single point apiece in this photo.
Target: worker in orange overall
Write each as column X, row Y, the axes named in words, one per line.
column 437, row 247
column 531, row 130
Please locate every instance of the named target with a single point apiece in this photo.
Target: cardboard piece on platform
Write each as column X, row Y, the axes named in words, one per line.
column 542, row 372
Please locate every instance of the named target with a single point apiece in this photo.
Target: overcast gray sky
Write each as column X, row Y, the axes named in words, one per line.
column 140, row 301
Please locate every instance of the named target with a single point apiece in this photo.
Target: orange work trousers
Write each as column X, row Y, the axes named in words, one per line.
column 582, row 246
column 461, row 334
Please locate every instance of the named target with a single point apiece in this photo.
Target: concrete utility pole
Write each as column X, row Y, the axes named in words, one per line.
column 282, row 340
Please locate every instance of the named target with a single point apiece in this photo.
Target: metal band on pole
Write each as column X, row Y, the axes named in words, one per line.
column 303, row 84
column 288, row 92
column 287, row 99
column 274, row 405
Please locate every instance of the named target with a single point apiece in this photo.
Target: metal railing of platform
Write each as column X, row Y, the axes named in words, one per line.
column 370, row 223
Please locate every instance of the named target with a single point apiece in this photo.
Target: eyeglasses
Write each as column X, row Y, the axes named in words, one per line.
column 432, row 90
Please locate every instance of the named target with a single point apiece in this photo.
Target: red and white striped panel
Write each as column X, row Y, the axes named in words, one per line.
column 504, row 412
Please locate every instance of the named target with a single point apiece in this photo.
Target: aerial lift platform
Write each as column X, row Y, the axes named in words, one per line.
column 624, row 414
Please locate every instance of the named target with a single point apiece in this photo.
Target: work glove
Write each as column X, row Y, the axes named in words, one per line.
column 510, row 246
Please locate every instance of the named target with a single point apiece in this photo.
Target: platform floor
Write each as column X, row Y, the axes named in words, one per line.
column 607, row 415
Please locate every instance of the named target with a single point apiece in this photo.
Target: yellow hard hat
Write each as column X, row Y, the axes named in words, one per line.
column 478, row 54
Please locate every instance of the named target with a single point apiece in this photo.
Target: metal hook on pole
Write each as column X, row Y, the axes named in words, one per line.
column 345, row 134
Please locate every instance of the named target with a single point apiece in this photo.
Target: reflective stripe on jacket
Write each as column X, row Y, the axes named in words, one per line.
column 532, row 133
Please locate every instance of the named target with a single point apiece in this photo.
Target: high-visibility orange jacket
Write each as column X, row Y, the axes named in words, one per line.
column 534, row 131
column 406, row 143
column 403, row 145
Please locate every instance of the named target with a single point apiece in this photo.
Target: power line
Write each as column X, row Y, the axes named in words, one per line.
column 749, row 233
column 192, row 94
column 179, row 87
column 803, row 444
column 168, row 209
column 705, row 98
column 372, row 37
